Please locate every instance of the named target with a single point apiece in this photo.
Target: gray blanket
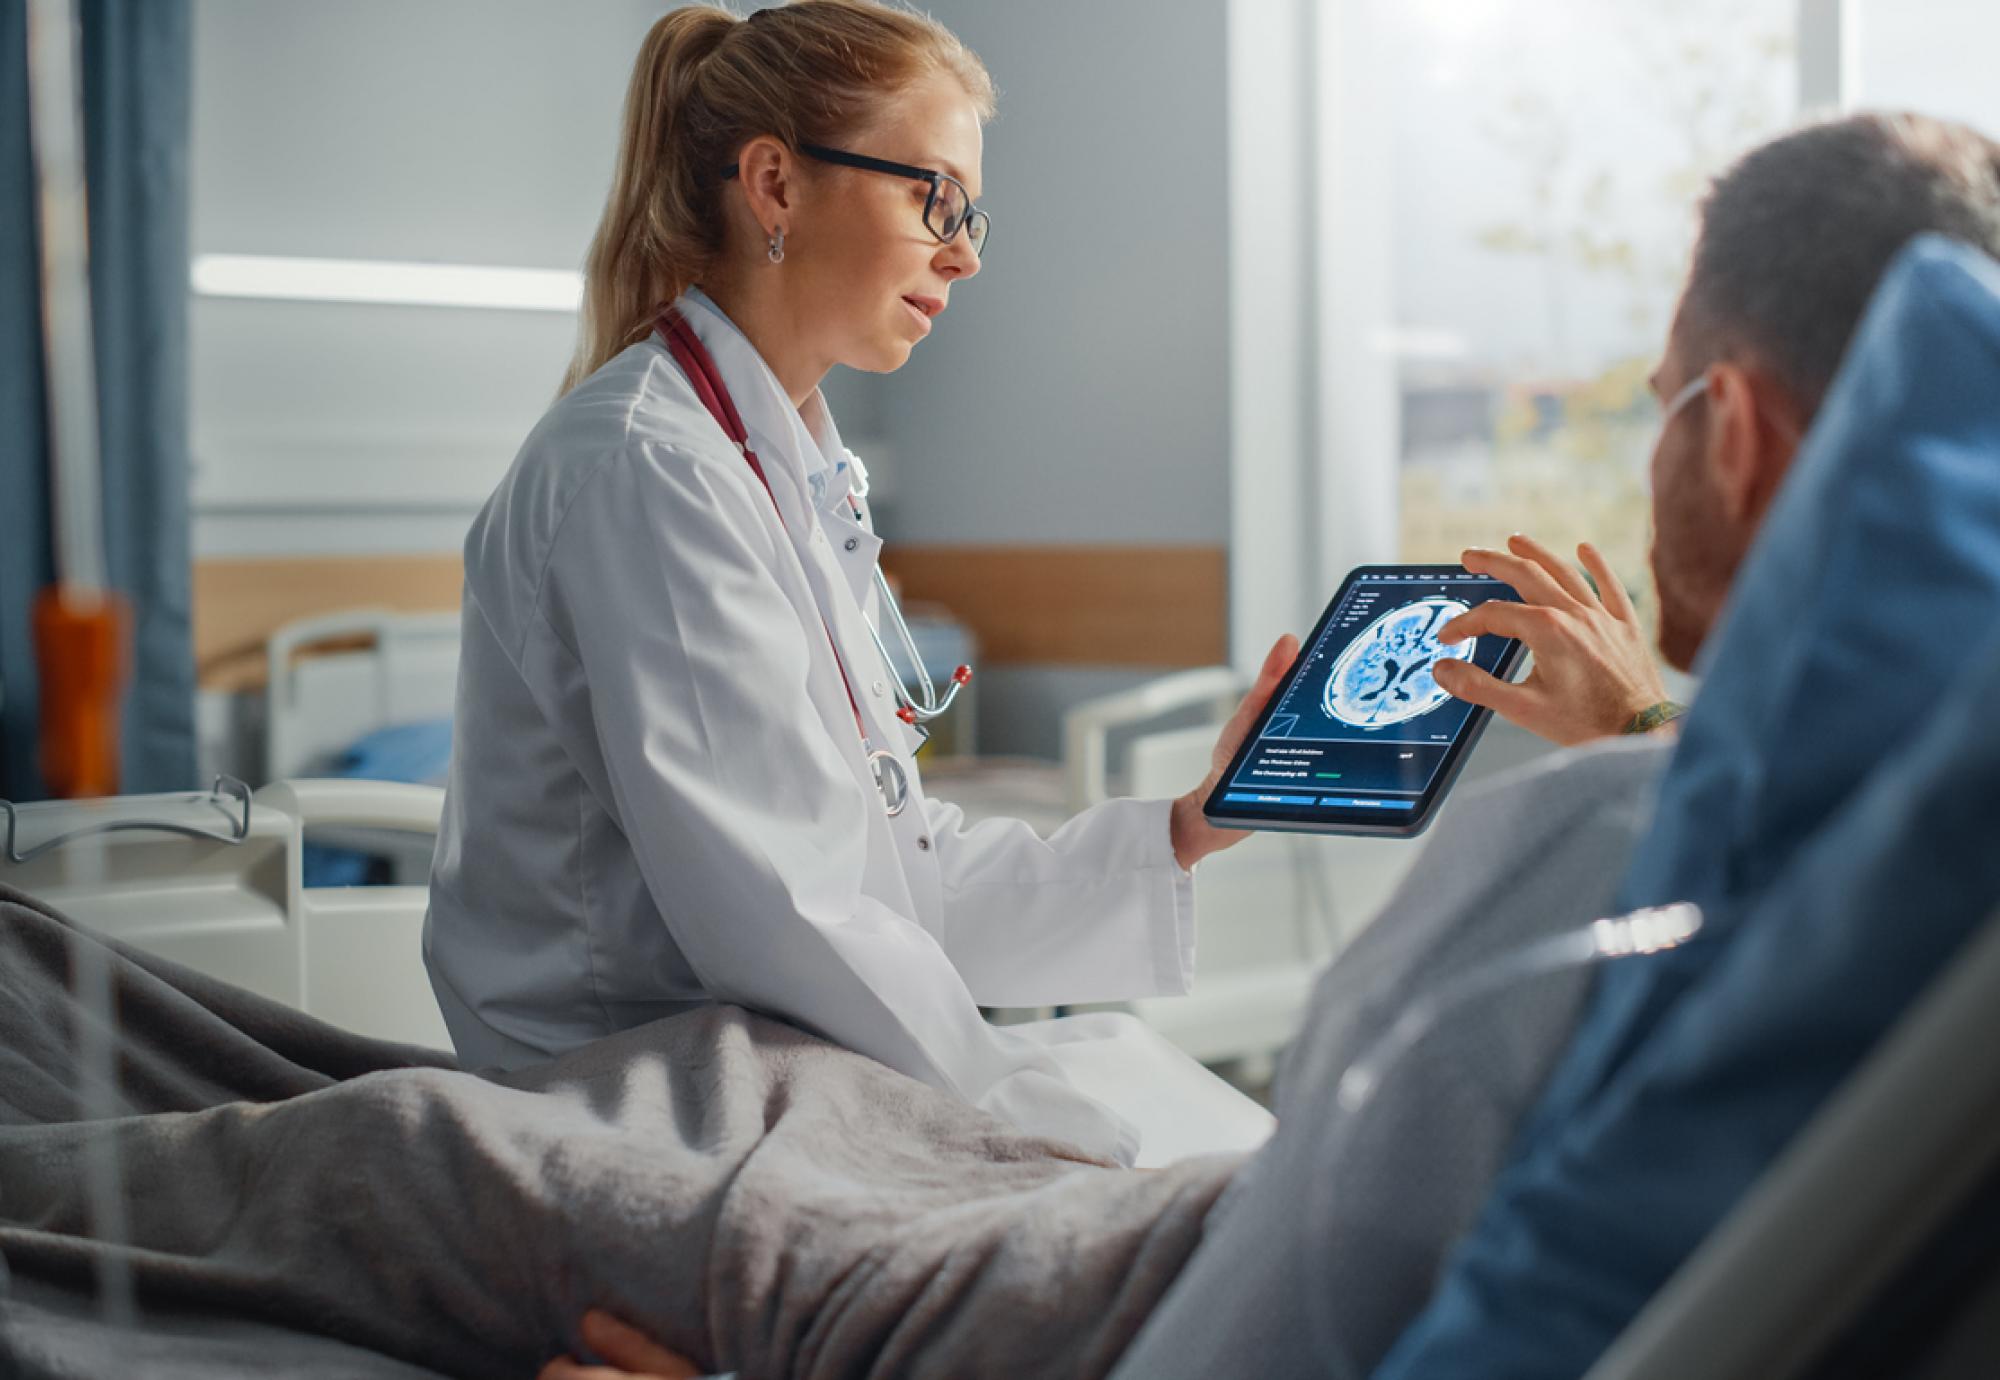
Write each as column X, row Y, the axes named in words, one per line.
column 302, row 1201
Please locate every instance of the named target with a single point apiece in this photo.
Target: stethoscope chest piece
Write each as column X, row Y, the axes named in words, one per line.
column 890, row 779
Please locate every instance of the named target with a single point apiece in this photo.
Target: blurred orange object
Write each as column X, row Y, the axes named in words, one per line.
column 81, row 646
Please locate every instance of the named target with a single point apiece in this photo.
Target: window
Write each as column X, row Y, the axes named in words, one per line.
column 1546, row 160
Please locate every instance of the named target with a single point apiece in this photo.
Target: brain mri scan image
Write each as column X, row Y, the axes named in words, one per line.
column 1384, row 676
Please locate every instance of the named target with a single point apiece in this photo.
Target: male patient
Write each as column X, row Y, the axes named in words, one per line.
column 1330, row 1239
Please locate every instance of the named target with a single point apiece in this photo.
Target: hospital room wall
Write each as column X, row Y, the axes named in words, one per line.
column 1077, row 394
column 454, row 131
column 340, row 450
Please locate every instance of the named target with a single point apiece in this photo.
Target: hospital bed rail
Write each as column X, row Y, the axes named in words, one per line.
column 235, row 905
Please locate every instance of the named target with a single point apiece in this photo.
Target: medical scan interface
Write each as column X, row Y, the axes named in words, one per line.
column 1363, row 725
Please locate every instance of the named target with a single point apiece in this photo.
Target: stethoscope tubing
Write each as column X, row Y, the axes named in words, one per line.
column 891, row 777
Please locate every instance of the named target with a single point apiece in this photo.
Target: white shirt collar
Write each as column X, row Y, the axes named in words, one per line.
column 806, row 438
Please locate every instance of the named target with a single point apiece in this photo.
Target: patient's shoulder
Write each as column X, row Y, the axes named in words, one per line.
column 1608, row 769
column 1533, row 851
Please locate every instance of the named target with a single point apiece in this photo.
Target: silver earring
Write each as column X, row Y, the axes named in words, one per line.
column 776, row 253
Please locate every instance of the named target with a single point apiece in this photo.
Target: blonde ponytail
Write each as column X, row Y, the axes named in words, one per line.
column 707, row 82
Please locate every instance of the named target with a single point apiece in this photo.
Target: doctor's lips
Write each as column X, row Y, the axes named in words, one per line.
column 926, row 307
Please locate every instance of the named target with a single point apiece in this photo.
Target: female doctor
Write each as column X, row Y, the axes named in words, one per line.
column 679, row 775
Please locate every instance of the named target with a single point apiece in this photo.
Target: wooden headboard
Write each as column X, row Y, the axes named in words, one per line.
column 240, row 602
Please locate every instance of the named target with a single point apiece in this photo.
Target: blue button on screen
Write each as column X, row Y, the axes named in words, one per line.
column 1341, row 801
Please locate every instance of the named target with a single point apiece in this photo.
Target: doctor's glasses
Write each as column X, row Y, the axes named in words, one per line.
column 946, row 210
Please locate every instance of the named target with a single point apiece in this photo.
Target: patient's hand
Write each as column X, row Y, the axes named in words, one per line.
column 631, row 1353
column 1594, row 675
column 1194, row 838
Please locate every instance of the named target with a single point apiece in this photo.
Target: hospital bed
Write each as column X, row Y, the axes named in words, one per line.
column 362, row 693
column 370, row 668
column 1882, row 1168
column 214, row 881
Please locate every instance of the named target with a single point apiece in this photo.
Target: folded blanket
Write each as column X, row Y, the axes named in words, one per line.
column 302, row 1201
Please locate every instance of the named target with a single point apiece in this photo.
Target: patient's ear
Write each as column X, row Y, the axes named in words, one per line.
column 1751, row 439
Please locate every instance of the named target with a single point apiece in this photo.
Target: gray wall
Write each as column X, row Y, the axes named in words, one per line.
column 457, row 131
column 1078, row 389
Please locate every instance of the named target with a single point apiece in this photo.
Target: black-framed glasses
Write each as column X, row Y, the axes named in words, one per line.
column 947, row 210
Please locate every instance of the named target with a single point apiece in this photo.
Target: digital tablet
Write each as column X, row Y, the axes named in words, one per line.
column 1359, row 738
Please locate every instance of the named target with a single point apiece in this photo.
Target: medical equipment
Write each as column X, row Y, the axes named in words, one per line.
column 890, row 776
column 1359, row 738
column 913, row 709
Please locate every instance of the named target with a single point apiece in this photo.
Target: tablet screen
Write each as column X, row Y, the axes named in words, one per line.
column 1360, row 733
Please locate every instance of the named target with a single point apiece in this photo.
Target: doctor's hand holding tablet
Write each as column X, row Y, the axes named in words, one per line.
column 1194, row 836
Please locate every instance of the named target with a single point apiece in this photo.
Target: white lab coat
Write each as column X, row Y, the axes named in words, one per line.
column 659, row 798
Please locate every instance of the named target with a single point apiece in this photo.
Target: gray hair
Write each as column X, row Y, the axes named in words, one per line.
column 1796, row 234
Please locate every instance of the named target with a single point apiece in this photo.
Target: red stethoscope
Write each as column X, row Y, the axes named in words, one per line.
column 890, row 777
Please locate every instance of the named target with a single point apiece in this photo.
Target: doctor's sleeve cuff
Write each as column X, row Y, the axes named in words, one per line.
column 1175, row 946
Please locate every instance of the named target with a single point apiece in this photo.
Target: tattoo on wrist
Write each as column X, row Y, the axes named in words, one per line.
column 1654, row 716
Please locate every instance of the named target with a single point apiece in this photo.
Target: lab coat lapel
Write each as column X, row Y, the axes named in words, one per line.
column 812, row 501
column 856, row 548
column 855, row 551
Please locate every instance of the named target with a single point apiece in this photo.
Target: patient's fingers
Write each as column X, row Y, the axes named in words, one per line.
column 1502, row 617
column 1530, row 580
column 1609, row 587
column 1462, row 680
column 563, row 1368
column 631, row 1353
column 1568, row 576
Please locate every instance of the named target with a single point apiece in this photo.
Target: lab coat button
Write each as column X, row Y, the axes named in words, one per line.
column 853, row 542
column 877, row 687
column 923, row 842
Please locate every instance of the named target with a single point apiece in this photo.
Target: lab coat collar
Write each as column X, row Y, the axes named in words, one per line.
column 806, row 438
column 795, row 459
